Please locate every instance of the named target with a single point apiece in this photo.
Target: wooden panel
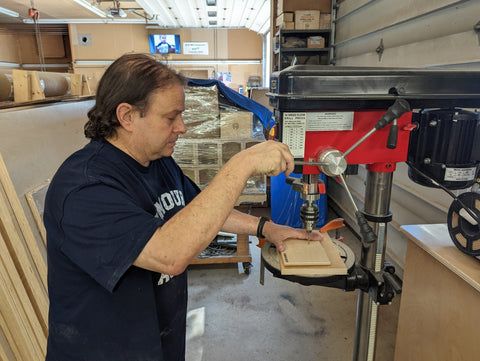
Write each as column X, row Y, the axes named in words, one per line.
column 439, row 318
column 435, row 240
column 300, row 253
column 9, row 53
column 105, row 45
column 336, row 267
column 53, row 46
column 244, row 44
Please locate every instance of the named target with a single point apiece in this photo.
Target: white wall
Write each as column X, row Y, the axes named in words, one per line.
column 35, row 140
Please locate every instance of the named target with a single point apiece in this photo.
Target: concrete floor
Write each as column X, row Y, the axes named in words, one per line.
column 233, row 317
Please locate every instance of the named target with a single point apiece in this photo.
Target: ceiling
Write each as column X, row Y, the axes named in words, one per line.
column 250, row 14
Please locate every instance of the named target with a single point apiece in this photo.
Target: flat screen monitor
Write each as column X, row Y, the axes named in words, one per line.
column 164, row 43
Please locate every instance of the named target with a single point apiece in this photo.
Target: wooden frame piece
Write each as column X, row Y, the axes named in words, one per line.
column 21, row 86
column 36, row 90
column 79, row 85
column 26, row 86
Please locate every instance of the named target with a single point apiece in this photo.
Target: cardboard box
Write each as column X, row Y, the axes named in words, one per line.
column 307, row 19
column 289, row 25
column 236, row 125
column 325, row 20
column 284, row 17
column 292, row 5
column 316, row 42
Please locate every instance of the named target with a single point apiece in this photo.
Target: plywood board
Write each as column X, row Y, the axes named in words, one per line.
column 18, row 311
column 299, row 252
column 336, row 267
column 13, row 203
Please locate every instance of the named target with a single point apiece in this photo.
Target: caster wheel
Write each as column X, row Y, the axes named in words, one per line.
column 247, row 267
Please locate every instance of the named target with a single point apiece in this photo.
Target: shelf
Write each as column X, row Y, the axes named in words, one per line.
column 303, row 32
column 283, row 55
column 302, row 50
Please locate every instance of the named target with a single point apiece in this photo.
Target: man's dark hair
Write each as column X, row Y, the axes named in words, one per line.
column 131, row 79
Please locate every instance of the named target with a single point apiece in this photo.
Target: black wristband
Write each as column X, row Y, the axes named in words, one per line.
column 261, row 223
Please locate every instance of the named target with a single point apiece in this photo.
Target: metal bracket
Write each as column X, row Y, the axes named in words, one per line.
column 476, row 28
column 379, row 50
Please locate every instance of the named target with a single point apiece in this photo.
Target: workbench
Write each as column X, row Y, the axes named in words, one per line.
column 439, row 315
column 242, row 254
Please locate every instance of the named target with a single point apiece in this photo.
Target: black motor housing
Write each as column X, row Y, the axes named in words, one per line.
column 445, row 146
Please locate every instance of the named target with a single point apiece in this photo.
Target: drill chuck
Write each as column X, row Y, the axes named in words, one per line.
column 309, row 214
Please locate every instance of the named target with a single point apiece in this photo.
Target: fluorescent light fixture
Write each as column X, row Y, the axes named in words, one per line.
column 108, row 20
column 213, row 62
column 157, row 9
column 45, row 65
column 114, row 13
column 9, row 12
column 9, row 65
column 90, row 7
column 93, row 62
column 211, row 2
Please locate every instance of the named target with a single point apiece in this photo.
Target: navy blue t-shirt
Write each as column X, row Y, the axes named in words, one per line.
column 101, row 209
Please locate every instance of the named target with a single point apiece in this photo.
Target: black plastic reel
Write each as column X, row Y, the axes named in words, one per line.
column 464, row 234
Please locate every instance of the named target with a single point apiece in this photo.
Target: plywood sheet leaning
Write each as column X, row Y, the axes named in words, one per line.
column 23, row 291
column 25, row 230
column 336, row 266
column 24, row 334
column 36, row 201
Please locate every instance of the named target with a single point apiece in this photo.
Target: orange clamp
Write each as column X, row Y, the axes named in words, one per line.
column 334, row 224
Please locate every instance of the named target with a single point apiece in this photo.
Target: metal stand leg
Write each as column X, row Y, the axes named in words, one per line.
column 377, row 203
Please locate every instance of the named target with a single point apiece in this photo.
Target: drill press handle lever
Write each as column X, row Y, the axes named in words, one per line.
column 395, row 111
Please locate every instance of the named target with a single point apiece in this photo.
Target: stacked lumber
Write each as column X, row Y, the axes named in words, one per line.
column 23, row 281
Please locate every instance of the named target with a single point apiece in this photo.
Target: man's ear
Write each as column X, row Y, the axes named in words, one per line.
column 125, row 113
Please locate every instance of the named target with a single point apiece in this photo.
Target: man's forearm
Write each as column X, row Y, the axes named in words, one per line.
column 241, row 223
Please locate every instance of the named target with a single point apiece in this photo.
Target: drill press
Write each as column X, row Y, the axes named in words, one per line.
column 332, row 117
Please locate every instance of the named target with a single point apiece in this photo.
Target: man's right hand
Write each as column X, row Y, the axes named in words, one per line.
column 269, row 158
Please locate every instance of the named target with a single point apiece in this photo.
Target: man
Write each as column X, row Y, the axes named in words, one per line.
column 123, row 222
column 163, row 47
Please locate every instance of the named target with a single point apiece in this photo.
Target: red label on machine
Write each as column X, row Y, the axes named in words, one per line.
column 341, row 130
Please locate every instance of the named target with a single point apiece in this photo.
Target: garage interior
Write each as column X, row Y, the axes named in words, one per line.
column 53, row 56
